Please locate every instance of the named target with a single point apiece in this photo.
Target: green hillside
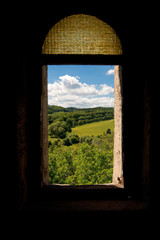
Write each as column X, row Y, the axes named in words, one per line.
column 77, row 117
column 54, row 108
column 95, row 128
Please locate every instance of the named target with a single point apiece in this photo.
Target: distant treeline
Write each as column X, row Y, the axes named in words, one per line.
column 76, row 117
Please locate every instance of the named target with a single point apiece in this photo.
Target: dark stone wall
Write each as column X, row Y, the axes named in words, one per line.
column 30, row 25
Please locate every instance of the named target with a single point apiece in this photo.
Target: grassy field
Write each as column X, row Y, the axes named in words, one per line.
column 96, row 128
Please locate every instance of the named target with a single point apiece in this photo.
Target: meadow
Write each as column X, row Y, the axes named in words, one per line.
column 95, row 128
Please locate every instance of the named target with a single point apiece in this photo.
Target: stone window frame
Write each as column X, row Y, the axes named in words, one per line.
column 117, row 179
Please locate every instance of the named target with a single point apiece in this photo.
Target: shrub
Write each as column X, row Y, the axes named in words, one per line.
column 71, row 139
column 67, row 142
column 108, row 131
column 49, row 143
column 74, row 138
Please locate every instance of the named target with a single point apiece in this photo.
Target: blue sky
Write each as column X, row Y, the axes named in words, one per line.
column 81, row 86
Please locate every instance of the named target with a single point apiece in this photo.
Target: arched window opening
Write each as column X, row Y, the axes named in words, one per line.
column 83, row 35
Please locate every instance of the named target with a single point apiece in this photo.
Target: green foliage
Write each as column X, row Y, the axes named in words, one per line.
column 87, row 139
column 71, row 139
column 60, row 166
column 92, row 166
column 59, row 129
column 83, row 154
column 86, row 163
column 74, row 138
column 108, row 131
column 67, row 142
column 77, row 117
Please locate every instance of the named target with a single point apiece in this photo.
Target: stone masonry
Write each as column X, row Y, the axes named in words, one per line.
column 117, row 170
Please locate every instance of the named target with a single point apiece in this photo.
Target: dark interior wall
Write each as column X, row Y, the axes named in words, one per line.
column 31, row 26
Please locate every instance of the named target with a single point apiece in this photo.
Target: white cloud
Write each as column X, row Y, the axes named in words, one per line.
column 110, row 72
column 68, row 91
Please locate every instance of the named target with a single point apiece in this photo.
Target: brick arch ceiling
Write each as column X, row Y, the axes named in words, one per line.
column 82, row 34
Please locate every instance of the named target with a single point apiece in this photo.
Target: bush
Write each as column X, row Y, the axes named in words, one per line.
column 71, row 139
column 49, row 143
column 96, row 141
column 87, row 139
column 67, row 142
column 74, row 138
column 108, row 131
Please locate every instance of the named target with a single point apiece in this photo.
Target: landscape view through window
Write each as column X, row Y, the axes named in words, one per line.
column 80, row 124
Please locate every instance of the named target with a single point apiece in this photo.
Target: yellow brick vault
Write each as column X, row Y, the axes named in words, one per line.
column 82, row 34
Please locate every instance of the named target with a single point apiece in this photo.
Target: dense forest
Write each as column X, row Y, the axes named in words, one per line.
column 76, row 159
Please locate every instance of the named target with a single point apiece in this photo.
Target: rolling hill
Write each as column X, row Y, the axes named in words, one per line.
column 95, row 128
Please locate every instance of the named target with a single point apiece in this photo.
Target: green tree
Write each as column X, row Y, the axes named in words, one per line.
column 69, row 122
column 50, row 119
column 58, row 129
column 60, row 166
